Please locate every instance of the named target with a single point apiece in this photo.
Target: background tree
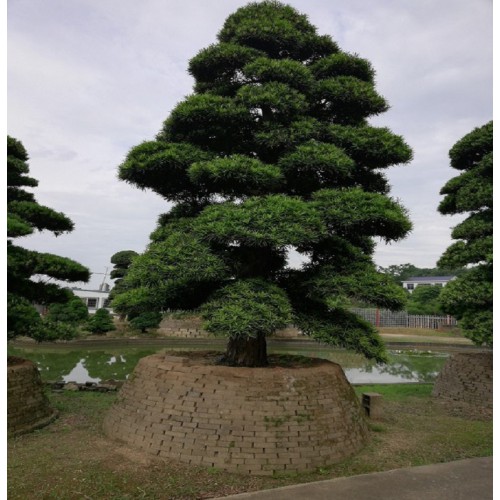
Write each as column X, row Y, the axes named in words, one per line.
column 121, row 262
column 402, row 272
column 100, row 322
column 25, row 216
column 74, row 311
column 425, row 300
column 470, row 297
column 272, row 152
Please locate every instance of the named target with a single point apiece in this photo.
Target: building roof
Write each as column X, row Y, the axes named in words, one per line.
column 89, row 291
column 429, row 278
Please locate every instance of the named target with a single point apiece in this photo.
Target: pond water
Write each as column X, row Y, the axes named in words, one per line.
column 71, row 365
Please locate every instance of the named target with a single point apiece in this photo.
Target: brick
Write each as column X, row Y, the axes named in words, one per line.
column 216, row 415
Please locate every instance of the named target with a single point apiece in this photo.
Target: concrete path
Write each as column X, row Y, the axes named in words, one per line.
column 470, row 479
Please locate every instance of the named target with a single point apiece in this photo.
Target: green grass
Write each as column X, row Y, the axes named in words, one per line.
column 397, row 392
column 71, row 458
column 451, row 333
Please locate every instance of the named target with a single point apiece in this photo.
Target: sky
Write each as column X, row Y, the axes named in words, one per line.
column 87, row 80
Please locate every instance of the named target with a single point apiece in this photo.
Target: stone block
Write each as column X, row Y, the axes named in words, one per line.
column 372, row 403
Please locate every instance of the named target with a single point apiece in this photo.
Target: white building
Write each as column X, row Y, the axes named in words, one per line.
column 94, row 299
column 411, row 283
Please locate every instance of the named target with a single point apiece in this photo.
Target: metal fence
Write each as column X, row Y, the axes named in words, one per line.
column 384, row 317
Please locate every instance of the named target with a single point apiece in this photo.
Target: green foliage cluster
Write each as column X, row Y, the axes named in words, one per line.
column 470, row 297
column 63, row 320
column 24, row 217
column 50, row 330
column 247, row 308
column 272, row 152
column 146, row 320
column 100, row 322
column 425, row 300
column 73, row 312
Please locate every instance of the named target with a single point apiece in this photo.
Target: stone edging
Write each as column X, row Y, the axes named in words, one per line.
column 106, row 386
column 38, row 425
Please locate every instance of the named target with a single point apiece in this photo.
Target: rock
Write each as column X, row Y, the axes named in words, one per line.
column 112, row 383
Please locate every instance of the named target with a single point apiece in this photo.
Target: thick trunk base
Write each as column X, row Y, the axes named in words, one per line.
column 250, row 352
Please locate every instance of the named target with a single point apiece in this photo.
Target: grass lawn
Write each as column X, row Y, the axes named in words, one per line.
column 71, row 458
column 452, row 333
column 418, row 335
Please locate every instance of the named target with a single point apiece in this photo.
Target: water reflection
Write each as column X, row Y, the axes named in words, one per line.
column 413, row 366
column 95, row 366
column 80, row 374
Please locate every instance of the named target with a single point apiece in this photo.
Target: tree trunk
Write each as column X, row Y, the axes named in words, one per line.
column 250, row 352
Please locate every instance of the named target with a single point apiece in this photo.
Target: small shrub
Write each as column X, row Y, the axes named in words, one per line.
column 146, row 320
column 74, row 311
column 49, row 330
column 101, row 322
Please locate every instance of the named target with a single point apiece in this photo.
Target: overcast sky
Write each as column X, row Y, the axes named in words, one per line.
column 89, row 79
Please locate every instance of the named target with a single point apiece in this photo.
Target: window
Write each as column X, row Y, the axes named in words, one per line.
column 91, row 302
column 106, row 303
column 410, row 286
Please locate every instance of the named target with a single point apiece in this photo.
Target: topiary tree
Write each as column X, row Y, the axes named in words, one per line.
column 121, row 262
column 470, row 297
column 25, row 216
column 272, row 152
column 100, row 322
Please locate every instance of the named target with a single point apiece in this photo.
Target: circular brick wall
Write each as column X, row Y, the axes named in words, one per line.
column 248, row 420
column 467, row 377
column 27, row 405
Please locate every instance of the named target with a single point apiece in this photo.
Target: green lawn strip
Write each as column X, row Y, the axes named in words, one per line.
column 428, row 340
column 396, row 392
column 419, row 335
column 452, row 333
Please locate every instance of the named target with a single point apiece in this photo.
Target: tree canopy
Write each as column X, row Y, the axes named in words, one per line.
column 470, row 297
column 121, row 263
column 272, row 152
column 24, row 217
column 424, row 299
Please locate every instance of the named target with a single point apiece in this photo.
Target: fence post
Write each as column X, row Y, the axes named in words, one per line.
column 377, row 317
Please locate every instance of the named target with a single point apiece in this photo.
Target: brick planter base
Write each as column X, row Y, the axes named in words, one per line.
column 248, row 420
column 27, row 406
column 467, row 377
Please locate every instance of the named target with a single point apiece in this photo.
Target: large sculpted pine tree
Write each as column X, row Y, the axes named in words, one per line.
column 25, row 216
column 272, row 152
column 470, row 297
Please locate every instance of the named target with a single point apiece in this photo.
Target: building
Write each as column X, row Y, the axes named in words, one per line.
column 411, row 283
column 94, row 299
